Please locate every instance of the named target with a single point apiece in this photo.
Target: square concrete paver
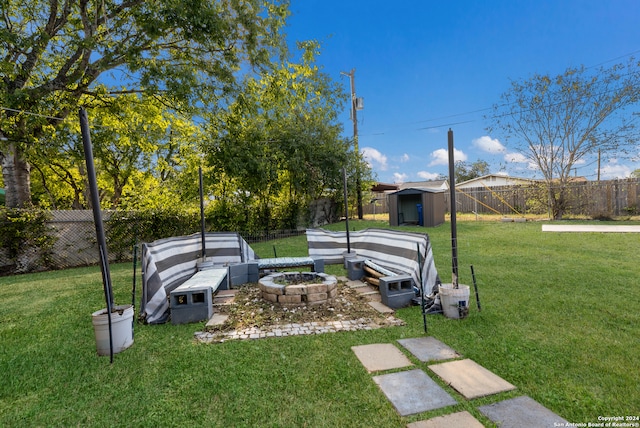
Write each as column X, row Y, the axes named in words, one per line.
column 413, row 392
column 217, row 319
column 521, row 412
column 470, row 379
column 460, row 419
column 381, row 356
column 381, row 307
column 366, row 290
column 428, row 349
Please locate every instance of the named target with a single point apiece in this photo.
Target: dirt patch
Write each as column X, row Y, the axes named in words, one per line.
column 250, row 310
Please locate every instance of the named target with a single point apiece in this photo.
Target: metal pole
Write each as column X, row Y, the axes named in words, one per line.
column 133, row 290
column 422, row 303
column 346, row 208
column 354, row 119
column 202, row 223
column 475, row 286
column 452, row 197
column 97, row 219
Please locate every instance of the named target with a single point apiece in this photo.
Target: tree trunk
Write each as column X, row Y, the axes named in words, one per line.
column 16, row 173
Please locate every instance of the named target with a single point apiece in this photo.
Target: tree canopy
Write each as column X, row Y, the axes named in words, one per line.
column 278, row 145
column 169, row 87
column 556, row 122
column 186, row 52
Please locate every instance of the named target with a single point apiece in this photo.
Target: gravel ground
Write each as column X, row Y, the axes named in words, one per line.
column 249, row 310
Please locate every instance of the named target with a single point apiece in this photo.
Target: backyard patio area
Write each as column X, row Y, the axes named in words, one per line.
column 560, row 321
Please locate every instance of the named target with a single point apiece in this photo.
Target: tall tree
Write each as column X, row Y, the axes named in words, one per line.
column 53, row 52
column 464, row 171
column 280, row 141
column 557, row 121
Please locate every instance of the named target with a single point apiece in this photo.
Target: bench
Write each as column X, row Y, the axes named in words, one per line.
column 192, row 301
column 316, row 264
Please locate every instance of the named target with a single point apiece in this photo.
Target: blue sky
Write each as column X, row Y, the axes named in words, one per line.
column 425, row 66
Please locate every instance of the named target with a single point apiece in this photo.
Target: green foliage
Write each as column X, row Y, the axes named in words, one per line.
column 279, row 144
column 224, row 215
column 26, row 238
column 186, row 53
column 465, row 171
column 128, row 228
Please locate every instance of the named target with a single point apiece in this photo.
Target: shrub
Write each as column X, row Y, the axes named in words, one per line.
column 26, row 239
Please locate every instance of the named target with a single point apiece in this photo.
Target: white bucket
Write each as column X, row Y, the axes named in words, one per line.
column 454, row 301
column 121, row 329
column 348, row 256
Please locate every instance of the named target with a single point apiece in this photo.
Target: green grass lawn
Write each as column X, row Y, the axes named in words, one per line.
column 560, row 320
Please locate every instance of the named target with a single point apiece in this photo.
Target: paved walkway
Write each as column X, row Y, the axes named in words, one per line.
column 412, row 390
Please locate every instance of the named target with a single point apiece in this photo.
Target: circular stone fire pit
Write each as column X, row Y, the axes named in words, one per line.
column 299, row 288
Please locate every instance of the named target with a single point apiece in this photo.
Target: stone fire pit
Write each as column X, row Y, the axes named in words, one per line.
column 299, row 288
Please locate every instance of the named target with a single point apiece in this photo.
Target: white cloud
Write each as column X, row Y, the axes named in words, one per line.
column 427, row 175
column 489, row 145
column 441, row 157
column 613, row 169
column 404, row 158
column 374, row 158
column 399, row 177
column 516, row 158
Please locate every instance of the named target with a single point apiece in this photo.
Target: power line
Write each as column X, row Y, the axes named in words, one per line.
column 29, row 113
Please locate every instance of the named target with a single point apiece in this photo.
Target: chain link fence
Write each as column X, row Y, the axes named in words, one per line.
column 76, row 244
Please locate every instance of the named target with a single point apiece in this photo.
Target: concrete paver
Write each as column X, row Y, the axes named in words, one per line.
column 522, row 412
column 367, row 290
column 470, row 379
column 590, row 228
column 459, row 419
column 428, row 349
column 413, row 392
column 381, row 307
column 381, row 356
column 217, row 319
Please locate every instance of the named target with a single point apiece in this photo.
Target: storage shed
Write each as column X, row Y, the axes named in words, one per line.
column 419, row 206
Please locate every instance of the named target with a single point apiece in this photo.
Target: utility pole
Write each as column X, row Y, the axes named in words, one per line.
column 355, row 106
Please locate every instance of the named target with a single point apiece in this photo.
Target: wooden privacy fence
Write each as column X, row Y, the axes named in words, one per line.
column 593, row 199
column 611, row 198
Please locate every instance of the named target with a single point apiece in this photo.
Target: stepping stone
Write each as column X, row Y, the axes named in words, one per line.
column 375, row 298
column 355, row 283
column 217, row 319
column 460, row 419
column 366, row 290
column 521, row 412
column 428, row 349
column 224, row 297
column 470, row 379
column 413, row 392
column 381, row 307
column 381, row 356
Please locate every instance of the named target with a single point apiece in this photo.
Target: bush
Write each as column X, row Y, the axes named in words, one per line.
column 128, row 228
column 26, row 239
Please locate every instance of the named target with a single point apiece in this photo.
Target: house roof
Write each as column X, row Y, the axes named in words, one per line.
column 417, row 190
column 487, row 179
column 383, row 187
column 431, row 184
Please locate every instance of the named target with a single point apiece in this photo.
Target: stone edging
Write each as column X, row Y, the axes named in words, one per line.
column 295, row 329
